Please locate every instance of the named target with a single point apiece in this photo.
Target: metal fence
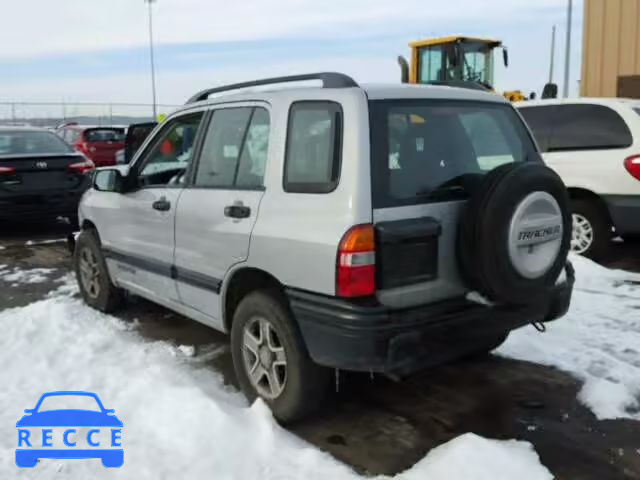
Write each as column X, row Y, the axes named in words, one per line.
column 50, row 114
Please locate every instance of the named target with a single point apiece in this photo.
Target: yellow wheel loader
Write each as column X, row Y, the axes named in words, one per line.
column 456, row 61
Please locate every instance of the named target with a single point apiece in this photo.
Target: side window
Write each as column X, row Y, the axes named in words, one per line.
column 222, row 147
column 168, row 159
column 314, row 147
column 582, row 127
column 540, row 121
column 254, row 151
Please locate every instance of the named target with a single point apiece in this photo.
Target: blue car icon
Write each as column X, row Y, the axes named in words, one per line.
column 28, row 457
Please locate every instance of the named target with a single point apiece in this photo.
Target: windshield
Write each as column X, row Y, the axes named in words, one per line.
column 477, row 63
column 31, row 142
column 69, row 402
column 424, row 150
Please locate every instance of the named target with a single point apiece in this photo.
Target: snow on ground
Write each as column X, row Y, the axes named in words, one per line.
column 31, row 243
column 180, row 421
column 17, row 275
column 598, row 341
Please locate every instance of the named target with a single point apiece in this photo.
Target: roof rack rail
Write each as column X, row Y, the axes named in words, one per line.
column 329, row 80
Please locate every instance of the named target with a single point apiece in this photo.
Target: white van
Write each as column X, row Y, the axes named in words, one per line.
column 594, row 145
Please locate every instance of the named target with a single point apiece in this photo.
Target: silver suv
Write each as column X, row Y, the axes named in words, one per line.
column 377, row 229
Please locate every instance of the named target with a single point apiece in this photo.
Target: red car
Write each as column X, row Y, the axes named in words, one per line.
column 100, row 144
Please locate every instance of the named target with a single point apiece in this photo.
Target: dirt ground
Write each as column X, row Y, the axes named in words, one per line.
column 380, row 426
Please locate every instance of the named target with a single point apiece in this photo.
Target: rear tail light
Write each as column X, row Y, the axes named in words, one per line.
column 7, row 170
column 82, row 167
column 356, row 264
column 632, row 164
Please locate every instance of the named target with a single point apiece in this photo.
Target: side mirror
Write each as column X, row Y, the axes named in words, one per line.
column 404, row 69
column 505, row 56
column 108, row 180
column 109, row 411
column 28, row 410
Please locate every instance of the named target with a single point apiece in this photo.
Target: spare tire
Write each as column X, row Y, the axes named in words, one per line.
column 515, row 234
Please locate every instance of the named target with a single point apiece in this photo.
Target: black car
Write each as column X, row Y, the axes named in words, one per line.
column 41, row 177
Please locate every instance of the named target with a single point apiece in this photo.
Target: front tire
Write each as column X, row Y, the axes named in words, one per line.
column 591, row 231
column 271, row 360
column 95, row 284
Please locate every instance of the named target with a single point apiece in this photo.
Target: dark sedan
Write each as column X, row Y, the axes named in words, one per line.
column 41, row 177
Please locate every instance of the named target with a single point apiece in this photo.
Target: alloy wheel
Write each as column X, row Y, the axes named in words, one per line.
column 582, row 234
column 89, row 273
column 265, row 360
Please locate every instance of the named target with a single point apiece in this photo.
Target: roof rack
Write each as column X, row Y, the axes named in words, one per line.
column 329, row 80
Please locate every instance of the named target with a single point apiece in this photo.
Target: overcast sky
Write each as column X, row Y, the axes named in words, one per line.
column 97, row 50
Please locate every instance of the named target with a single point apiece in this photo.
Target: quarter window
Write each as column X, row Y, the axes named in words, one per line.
column 314, row 144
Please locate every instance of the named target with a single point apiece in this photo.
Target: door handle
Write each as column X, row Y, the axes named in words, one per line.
column 237, row 211
column 162, row 205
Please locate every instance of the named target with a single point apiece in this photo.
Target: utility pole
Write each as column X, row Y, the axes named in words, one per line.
column 151, row 58
column 567, row 58
column 553, row 54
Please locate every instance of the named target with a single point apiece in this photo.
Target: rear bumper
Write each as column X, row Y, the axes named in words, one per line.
column 625, row 213
column 44, row 205
column 344, row 335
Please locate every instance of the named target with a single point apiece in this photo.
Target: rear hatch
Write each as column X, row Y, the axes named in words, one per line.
column 34, row 162
column 101, row 144
column 427, row 156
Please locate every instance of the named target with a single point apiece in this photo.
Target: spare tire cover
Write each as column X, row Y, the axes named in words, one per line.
column 515, row 233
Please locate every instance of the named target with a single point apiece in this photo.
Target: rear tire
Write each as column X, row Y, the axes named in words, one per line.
column 95, row 284
column 591, row 231
column 263, row 336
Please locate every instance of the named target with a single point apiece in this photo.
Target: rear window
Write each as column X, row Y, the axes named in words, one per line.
column 637, row 110
column 104, row 135
column 31, row 142
column 422, row 151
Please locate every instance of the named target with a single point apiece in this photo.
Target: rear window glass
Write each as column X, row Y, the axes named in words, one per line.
column 422, row 151
column 104, row 135
column 31, row 142
column 637, row 110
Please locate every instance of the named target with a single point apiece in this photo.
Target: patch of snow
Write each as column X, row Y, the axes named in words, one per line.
column 187, row 350
column 180, row 420
column 34, row 275
column 477, row 297
column 30, row 243
column 598, row 340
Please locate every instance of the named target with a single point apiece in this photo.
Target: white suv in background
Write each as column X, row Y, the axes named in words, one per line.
column 594, row 145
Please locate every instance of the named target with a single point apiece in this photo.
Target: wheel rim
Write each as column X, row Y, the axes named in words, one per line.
column 582, row 234
column 265, row 360
column 89, row 273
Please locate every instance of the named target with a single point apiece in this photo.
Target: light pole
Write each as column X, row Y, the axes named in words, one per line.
column 567, row 54
column 151, row 58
